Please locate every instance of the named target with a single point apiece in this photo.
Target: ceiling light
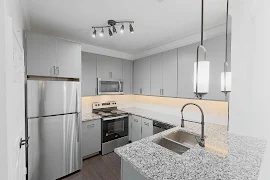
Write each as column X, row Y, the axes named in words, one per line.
column 122, row 28
column 101, row 34
column 114, row 30
column 94, row 33
column 131, row 28
column 110, row 32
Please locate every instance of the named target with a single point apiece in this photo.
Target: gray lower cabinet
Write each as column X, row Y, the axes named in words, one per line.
column 89, row 74
column 91, row 137
column 140, row 128
column 129, row 173
column 147, row 127
column 136, row 128
column 52, row 57
column 128, row 76
column 109, row 67
column 141, row 78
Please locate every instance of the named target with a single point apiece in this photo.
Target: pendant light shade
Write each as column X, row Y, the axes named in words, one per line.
column 201, row 77
column 131, row 28
column 226, row 82
column 114, row 30
column 94, row 33
column 101, row 34
column 110, row 32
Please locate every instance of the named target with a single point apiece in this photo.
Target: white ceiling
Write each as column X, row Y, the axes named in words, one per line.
column 156, row 23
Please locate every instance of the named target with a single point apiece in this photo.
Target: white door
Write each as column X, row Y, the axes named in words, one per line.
column 15, row 103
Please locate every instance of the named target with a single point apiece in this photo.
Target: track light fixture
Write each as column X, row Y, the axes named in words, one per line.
column 131, row 28
column 94, row 33
column 101, row 34
column 112, row 24
column 122, row 29
column 110, row 32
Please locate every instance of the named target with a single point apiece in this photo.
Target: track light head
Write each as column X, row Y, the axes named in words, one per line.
column 114, row 30
column 94, row 33
column 101, row 34
column 122, row 28
column 131, row 28
column 110, row 32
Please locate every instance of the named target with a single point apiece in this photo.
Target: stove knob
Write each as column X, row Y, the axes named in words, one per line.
column 107, row 134
column 116, row 136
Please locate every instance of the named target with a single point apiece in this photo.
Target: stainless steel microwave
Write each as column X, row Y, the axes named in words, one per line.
column 109, row 86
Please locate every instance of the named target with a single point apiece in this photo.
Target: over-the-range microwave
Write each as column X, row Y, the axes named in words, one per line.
column 109, row 86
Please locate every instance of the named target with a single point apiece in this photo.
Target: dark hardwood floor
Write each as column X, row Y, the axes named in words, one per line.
column 99, row 167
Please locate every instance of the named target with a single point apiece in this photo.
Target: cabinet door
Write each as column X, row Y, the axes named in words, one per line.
column 91, row 137
column 145, row 75
column 147, row 127
column 186, row 59
column 137, row 84
column 89, row 74
column 104, row 67
column 68, row 59
column 128, row 76
column 40, row 55
column 169, row 73
column 216, row 56
column 136, row 128
column 156, row 74
column 116, row 68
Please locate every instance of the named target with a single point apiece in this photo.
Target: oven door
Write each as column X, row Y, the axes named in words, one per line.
column 110, row 86
column 114, row 128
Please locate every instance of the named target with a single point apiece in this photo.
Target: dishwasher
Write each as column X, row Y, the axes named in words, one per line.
column 160, row 126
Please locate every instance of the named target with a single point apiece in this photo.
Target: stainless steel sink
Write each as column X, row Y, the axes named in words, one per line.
column 178, row 141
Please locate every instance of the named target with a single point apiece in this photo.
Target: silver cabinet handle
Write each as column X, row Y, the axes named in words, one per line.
column 57, row 71
column 160, row 92
column 145, row 123
column 78, row 127
column 91, row 126
column 136, row 120
column 54, row 70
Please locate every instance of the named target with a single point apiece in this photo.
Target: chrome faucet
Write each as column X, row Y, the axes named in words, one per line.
column 202, row 141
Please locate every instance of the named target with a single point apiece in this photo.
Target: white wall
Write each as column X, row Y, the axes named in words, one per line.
column 3, row 122
column 249, row 103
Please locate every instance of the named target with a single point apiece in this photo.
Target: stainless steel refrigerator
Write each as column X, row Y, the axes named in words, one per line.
column 54, row 128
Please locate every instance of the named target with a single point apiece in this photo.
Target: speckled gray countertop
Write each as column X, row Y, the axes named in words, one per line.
column 90, row 117
column 226, row 156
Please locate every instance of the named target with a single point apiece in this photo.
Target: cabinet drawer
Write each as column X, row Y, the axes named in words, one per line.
column 91, row 137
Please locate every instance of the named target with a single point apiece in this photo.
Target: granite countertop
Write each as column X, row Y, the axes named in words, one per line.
column 90, row 117
column 226, row 156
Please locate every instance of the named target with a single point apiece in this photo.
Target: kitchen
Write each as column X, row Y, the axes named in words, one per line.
column 128, row 98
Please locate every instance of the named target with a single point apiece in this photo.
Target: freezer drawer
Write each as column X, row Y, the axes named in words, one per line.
column 54, row 146
column 46, row 98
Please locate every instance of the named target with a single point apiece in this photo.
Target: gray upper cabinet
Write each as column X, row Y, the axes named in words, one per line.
column 40, row 54
column 164, row 74
column 169, row 74
column 52, row 57
column 186, row 59
column 68, row 59
column 128, row 76
column 89, row 74
column 215, row 48
column 109, row 67
column 142, row 76
column 156, row 74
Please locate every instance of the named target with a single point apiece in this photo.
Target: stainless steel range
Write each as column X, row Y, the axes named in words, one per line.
column 114, row 126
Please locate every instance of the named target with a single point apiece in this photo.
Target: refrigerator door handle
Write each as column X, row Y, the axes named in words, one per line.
column 78, row 126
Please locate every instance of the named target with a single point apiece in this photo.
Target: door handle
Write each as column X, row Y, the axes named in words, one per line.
column 24, row 142
column 78, row 127
column 147, row 124
column 91, row 126
column 54, row 70
column 135, row 120
column 162, row 91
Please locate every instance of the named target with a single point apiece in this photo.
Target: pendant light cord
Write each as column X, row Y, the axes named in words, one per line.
column 226, row 52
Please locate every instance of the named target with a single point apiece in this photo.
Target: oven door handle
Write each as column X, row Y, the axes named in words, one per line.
column 113, row 118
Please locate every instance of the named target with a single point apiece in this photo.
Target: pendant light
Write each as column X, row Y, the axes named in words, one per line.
column 110, row 32
column 131, row 28
column 201, row 68
column 226, row 77
column 114, row 30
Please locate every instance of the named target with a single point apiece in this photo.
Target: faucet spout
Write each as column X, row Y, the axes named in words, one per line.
column 202, row 140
